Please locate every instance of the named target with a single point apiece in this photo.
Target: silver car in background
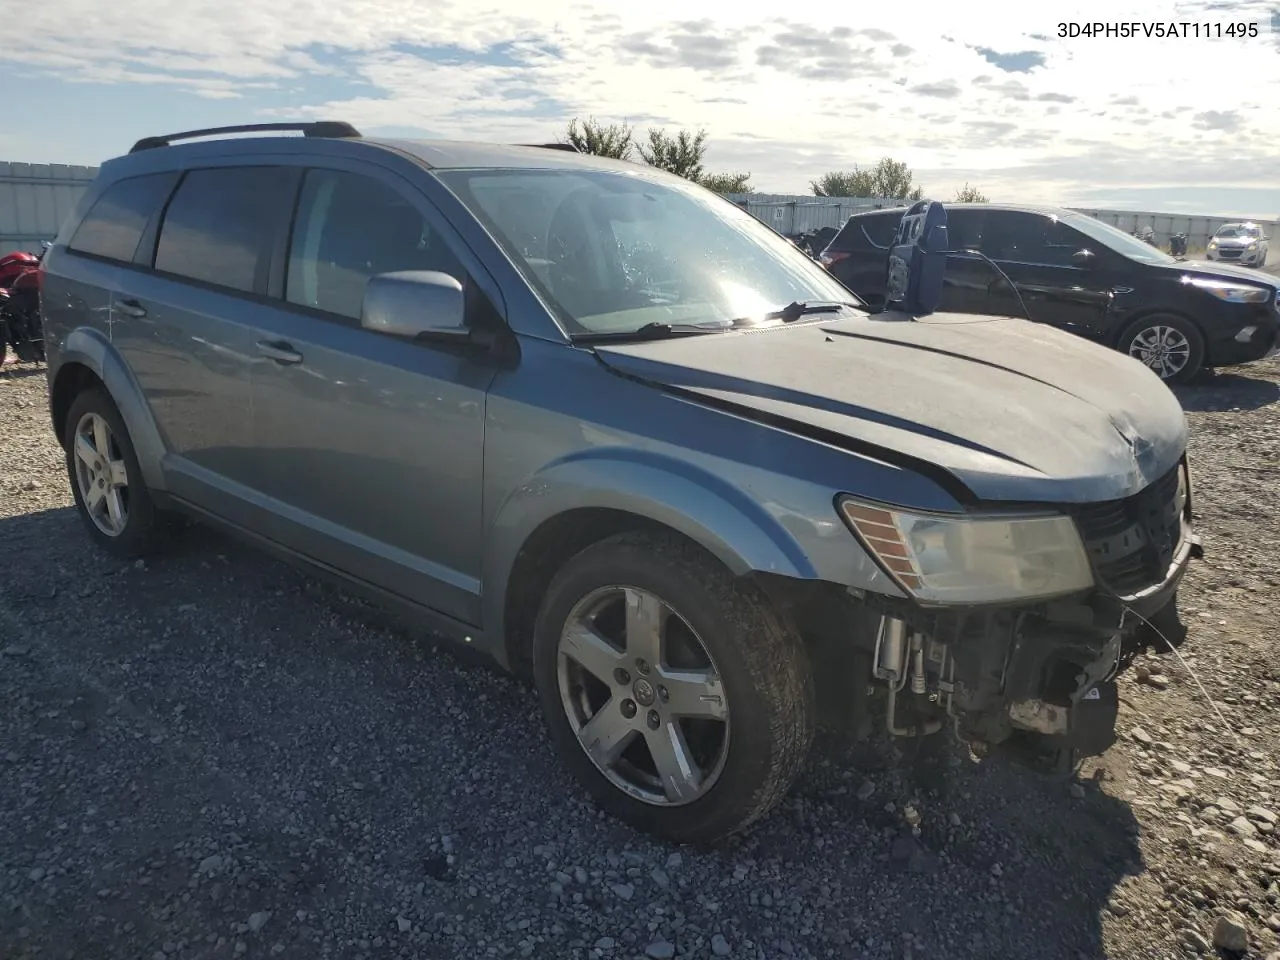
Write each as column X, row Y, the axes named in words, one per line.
column 1239, row 243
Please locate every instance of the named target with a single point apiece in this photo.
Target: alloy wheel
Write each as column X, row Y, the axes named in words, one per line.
column 643, row 696
column 1166, row 350
column 101, row 475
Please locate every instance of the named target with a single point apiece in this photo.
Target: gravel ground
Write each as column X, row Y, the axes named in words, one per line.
column 210, row 756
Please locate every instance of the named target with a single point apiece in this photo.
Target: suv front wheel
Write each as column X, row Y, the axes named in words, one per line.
column 1172, row 347
column 673, row 691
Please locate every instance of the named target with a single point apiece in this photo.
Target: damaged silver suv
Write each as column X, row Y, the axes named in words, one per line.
column 608, row 428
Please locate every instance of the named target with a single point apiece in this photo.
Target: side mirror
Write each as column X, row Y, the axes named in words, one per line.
column 416, row 304
column 1084, row 258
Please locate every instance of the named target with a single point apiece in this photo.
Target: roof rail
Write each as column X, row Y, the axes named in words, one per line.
column 318, row 128
column 552, row 146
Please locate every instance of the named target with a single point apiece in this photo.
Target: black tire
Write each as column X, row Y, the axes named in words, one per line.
column 145, row 528
column 1190, row 333
column 761, row 663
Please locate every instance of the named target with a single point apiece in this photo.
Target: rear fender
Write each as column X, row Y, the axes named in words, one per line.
column 90, row 348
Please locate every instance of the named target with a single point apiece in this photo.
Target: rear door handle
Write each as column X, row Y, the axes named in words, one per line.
column 132, row 308
column 279, row 351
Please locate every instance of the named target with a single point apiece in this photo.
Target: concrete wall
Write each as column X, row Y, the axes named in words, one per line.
column 34, row 200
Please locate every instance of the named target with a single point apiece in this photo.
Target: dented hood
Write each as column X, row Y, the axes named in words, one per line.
column 1015, row 411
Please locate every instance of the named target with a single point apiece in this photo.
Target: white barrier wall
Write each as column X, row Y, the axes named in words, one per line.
column 34, row 200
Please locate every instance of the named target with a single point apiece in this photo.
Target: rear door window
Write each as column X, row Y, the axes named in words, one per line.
column 115, row 223
column 221, row 225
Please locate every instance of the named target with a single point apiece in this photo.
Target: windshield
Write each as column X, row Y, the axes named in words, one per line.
column 1233, row 231
column 1117, row 239
column 613, row 252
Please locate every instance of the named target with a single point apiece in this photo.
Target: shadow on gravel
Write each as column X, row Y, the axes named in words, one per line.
column 1227, row 390
column 21, row 371
column 208, row 737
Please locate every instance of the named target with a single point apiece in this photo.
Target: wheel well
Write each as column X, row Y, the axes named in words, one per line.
column 72, row 380
column 542, row 555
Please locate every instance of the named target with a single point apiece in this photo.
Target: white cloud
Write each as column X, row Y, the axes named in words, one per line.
column 786, row 92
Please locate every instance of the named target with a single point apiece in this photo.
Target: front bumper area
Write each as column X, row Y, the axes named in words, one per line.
column 1249, row 258
column 1039, row 672
column 1254, row 341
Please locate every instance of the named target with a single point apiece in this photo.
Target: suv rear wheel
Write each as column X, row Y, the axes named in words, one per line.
column 106, row 481
column 1171, row 346
column 673, row 691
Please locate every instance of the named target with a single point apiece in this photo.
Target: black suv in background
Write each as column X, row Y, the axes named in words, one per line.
column 1079, row 274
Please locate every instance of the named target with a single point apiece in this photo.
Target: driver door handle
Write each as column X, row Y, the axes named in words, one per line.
column 132, row 308
column 279, row 351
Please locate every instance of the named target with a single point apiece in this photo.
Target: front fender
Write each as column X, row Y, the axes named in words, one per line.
column 90, row 348
column 702, row 506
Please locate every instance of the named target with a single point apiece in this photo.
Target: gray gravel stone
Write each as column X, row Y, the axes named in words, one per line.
column 1231, row 933
column 1196, row 941
column 211, row 864
column 258, row 920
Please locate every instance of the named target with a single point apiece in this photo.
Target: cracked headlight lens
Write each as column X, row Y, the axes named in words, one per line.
column 948, row 559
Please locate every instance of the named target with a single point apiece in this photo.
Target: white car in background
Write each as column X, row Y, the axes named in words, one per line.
column 1239, row 243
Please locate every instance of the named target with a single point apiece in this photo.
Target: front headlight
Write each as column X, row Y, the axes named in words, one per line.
column 1231, row 292
column 1213, row 244
column 960, row 559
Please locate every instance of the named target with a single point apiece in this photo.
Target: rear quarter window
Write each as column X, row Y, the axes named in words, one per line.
column 116, row 221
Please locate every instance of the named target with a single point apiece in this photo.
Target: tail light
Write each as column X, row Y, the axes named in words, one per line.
column 830, row 258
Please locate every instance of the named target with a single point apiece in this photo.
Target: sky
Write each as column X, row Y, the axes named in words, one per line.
column 984, row 93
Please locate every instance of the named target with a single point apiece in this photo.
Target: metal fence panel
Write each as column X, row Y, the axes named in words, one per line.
column 799, row 214
column 35, row 199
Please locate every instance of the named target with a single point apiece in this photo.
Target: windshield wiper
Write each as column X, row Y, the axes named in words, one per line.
column 796, row 309
column 656, row 330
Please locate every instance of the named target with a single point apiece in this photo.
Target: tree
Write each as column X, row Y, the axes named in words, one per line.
column 839, row 183
column 613, row 140
column 680, row 154
column 889, row 178
column 727, row 182
column 968, row 194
